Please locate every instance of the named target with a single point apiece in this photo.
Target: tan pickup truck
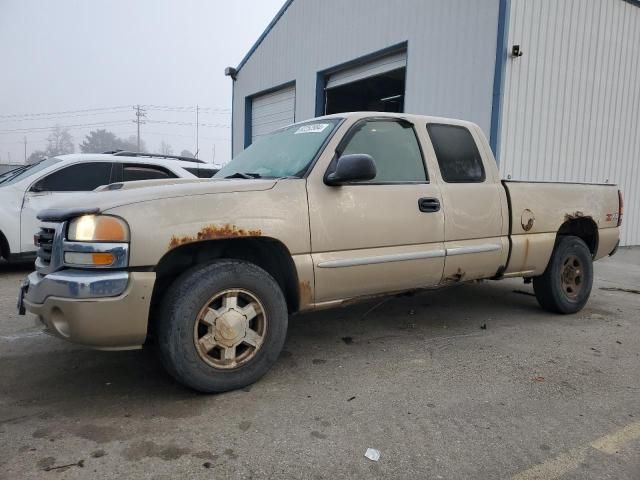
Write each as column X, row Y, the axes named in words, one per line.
column 314, row 215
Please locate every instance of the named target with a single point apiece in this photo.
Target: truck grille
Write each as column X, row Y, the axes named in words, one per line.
column 44, row 241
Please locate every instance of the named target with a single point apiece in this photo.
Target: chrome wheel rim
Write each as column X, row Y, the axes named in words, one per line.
column 230, row 329
column 572, row 277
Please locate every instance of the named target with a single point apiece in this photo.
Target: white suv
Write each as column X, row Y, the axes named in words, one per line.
column 31, row 188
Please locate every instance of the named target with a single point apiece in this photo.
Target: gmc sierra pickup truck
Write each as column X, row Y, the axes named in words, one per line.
column 311, row 216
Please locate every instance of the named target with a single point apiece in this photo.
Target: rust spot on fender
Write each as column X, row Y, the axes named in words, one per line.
column 213, row 232
column 456, row 277
column 526, row 254
column 306, row 298
column 574, row 215
column 527, row 219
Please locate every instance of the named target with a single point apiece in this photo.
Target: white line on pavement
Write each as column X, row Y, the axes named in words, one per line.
column 568, row 461
column 20, row 336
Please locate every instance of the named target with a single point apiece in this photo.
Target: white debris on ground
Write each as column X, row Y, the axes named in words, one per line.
column 372, row 454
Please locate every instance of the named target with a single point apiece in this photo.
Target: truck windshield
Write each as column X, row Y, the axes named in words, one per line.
column 23, row 172
column 284, row 153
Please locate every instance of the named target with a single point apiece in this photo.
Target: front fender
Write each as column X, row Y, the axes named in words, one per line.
column 158, row 226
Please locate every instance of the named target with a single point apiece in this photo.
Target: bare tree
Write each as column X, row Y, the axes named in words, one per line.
column 101, row 140
column 59, row 142
column 165, row 148
column 36, row 156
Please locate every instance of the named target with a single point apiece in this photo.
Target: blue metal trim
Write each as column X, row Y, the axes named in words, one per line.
column 248, row 110
column 264, row 34
column 635, row 3
column 321, row 76
column 248, row 107
column 498, row 76
column 233, row 106
column 321, row 83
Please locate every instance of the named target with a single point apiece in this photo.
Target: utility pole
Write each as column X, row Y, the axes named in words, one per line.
column 25, row 149
column 197, row 130
column 140, row 114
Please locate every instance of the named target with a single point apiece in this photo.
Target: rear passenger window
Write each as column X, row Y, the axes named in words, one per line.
column 393, row 146
column 202, row 172
column 144, row 172
column 457, row 154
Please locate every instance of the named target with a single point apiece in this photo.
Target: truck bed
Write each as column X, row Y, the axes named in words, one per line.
column 538, row 211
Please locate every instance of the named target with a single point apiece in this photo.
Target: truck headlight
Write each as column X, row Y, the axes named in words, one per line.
column 98, row 228
column 97, row 241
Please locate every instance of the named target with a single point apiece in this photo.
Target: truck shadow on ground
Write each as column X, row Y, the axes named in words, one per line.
column 83, row 382
column 17, row 267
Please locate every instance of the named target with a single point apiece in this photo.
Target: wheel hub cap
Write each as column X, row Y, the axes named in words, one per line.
column 571, row 277
column 230, row 329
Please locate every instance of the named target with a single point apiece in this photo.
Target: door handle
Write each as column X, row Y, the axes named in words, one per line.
column 428, row 205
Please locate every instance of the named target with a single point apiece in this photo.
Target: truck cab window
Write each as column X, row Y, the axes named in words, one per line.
column 393, row 146
column 81, row 177
column 457, row 154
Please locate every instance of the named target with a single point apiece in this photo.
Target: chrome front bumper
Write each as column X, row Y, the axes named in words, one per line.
column 78, row 284
column 102, row 309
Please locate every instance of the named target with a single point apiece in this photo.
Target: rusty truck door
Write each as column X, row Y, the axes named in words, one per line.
column 476, row 232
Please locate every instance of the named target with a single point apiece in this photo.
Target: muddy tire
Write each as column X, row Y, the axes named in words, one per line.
column 222, row 326
column 565, row 285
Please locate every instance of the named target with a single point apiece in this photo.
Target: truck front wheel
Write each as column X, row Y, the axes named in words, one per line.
column 565, row 285
column 222, row 326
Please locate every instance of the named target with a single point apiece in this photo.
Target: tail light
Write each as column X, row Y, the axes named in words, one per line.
column 620, row 207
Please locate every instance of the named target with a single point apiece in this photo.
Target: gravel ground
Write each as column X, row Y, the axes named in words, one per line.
column 473, row 381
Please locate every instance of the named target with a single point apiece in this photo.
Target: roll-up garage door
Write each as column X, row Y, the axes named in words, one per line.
column 375, row 67
column 272, row 111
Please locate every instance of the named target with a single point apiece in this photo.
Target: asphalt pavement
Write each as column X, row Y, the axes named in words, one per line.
column 474, row 381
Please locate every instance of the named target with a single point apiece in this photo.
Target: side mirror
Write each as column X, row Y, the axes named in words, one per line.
column 357, row 167
column 37, row 188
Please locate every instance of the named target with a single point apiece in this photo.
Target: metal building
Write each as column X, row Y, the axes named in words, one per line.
column 555, row 85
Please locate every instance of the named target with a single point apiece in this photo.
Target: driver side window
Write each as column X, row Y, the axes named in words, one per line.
column 393, row 146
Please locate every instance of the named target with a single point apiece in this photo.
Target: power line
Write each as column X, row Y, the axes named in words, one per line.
column 73, row 115
column 15, row 115
column 173, row 108
column 81, row 112
column 165, row 134
column 79, row 125
column 190, row 124
column 110, row 123
column 122, row 133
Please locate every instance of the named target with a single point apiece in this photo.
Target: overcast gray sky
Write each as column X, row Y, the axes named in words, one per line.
column 69, row 55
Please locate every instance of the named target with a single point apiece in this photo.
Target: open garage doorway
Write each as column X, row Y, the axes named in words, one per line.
column 377, row 85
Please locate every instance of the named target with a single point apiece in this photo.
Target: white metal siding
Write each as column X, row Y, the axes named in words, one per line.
column 272, row 111
column 370, row 69
column 450, row 55
column 571, row 108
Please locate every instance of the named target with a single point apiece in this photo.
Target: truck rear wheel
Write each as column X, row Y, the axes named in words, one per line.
column 565, row 285
column 222, row 326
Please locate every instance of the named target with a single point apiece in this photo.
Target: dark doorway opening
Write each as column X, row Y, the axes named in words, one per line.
column 380, row 93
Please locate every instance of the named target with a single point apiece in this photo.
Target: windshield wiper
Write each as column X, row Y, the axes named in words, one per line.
column 13, row 173
column 244, row 175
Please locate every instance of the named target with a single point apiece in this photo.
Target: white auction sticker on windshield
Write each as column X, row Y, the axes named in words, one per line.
column 313, row 128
